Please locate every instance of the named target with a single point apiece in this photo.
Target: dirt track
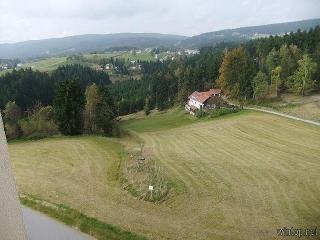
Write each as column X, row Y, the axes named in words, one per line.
column 284, row 115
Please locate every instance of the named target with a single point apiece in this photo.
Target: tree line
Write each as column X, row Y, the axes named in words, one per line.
column 259, row 69
column 76, row 99
column 71, row 100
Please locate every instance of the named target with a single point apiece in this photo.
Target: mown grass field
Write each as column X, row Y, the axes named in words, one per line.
column 3, row 72
column 157, row 121
column 307, row 107
column 48, row 64
column 241, row 176
column 52, row 63
column 171, row 118
column 143, row 56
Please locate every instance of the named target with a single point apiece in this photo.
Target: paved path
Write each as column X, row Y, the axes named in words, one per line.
column 283, row 115
column 42, row 227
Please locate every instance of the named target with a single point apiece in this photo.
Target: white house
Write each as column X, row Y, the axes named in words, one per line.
column 133, row 68
column 108, row 66
column 203, row 100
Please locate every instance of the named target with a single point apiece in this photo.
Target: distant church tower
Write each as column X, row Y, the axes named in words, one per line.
column 11, row 221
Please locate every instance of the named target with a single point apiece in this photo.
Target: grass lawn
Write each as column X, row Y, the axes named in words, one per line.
column 48, row 64
column 157, row 121
column 99, row 56
column 3, row 72
column 143, row 56
column 72, row 217
column 307, row 107
column 240, row 176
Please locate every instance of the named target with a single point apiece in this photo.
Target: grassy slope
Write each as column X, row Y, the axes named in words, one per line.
column 127, row 55
column 251, row 173
column 238, row 177
column 50, row 64
column 157, row 121
column 79, row 172
column 3, row 72
column 307, row 107
column 99, row 56
column 46, row 64
column 72, row 217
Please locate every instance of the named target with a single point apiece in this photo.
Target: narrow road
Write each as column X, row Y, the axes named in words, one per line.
column 283, row 115
column 42, row 227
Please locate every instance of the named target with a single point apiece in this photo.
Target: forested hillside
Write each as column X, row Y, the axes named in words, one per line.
column 27, row 87
column 85, row 44
column 71, row 100
column 259, row 69
column 244, row 34
column 253, row 72
column 120, row 41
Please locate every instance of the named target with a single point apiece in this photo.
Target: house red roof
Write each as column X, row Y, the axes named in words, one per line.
column 204, row 96
column 215, row 91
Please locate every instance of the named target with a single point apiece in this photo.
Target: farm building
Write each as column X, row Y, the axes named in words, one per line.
column 205, row 100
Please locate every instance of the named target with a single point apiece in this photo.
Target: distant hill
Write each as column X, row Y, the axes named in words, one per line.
column 86, row 43
column 100, row 42
column 245, row 33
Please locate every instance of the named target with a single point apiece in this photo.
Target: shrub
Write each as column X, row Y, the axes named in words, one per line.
column 12, row 114
column 200, row 113
column 222, row 111
column 12, row 130
column 37, row 136
column 40, row 123
column 27, row 127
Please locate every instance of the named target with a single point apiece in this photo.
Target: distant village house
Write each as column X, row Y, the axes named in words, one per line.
column 108, row 66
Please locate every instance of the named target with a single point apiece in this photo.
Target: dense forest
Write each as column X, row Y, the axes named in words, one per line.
column 254, row 71
column 26, row 87
column 71, row 100
column 262, row 68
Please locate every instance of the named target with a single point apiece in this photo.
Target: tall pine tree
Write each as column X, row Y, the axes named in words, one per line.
column 69, row 104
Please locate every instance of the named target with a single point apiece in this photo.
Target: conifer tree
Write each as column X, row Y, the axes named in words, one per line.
column 68, row 106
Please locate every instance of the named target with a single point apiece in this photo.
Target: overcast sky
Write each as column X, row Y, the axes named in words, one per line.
column 37, row 19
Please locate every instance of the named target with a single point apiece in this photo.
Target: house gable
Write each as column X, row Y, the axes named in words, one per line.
column 199, row 100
